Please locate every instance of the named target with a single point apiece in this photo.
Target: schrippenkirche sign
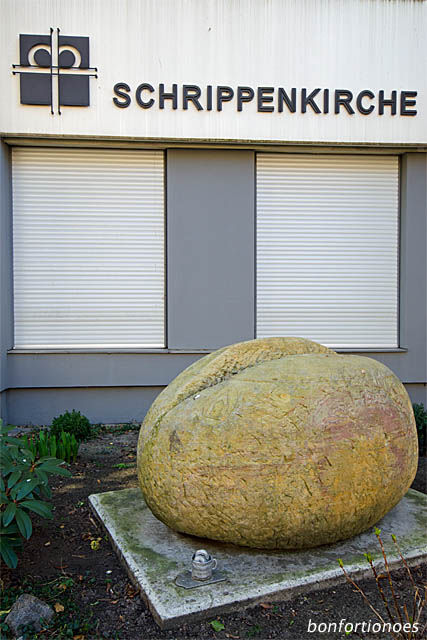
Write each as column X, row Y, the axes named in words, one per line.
column 268, row 99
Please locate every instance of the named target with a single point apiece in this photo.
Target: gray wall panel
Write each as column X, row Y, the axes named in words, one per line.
column 40, row 406
column 95, row 369
column 3, row 406
column 413, row 268
column 417, row 393
column 210, row 237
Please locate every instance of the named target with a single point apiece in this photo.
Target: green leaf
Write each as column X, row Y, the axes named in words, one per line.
column 62, row 472
column 46, row 459
column 43, row 490
column 13, row 478
column 217, row 625
column 24, row 523
column 26, row 488
column 5, row 428
column 41, row 475
column 15, row 543
column 14, row 452
column 9, row 530
column 9, row 513
column 53, row 446
column 8, row 554
column 11, row 440
column 28, row 456
column 56, row 470
column 7, row 468
column 41, row 508
column 5, row 459
column 48, row 466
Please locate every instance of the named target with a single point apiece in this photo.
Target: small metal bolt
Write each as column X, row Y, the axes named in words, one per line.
column 202, row 565
column 203, row 571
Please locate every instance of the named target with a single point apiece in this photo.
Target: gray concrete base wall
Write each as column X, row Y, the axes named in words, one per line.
column 417, row 393
column 3, row 406
column 106, row 405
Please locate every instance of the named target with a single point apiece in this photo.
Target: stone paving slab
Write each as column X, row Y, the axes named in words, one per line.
column 154, row 555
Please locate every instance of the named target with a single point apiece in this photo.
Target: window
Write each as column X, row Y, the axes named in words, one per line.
column 88, row 236
column 327, row 248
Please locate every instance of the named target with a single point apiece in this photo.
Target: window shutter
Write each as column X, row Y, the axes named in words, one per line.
column 88, row 235
column 327, row 248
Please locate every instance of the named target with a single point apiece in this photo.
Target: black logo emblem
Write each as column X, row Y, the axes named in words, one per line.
column 57, row 72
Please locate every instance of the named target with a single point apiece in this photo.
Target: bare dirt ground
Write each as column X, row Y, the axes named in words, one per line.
column 70, row 563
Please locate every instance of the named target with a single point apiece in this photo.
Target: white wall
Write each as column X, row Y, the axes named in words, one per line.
column 335, row 44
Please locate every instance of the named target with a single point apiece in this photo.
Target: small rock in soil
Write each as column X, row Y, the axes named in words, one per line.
column 28, row 610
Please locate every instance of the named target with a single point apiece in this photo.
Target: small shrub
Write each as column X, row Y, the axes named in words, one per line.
column 421, row 421
column 64, row 446
column 23, row 482
column 404, row 619
column 73, row 423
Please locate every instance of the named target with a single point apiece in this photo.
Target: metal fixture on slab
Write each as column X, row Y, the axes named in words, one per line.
column 203, row 571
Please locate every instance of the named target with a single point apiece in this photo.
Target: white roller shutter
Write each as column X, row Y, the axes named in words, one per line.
column 88, row 237
column 327, row 248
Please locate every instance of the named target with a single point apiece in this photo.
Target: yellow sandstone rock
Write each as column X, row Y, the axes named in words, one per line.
column 278, row 443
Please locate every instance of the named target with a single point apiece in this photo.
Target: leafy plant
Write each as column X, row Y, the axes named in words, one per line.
column 64, row 446
column 217, row 625
column 23, row 483
column 73, row 423
column 420, row 414
column 404, row 621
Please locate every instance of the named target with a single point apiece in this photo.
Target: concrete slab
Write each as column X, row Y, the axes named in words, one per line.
column 154, row 555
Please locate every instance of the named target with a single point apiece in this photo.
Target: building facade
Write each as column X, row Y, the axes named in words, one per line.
column 179, row 175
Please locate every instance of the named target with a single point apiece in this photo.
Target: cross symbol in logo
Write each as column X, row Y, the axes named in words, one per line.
column 56, row 70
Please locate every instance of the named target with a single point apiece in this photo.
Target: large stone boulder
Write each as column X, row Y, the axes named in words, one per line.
column 278, row 443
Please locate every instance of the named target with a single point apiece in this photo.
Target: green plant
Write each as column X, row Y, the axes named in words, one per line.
column 420, row 414
column 217, row 625
column 253, row 631
column 124, row 465
column 64, row 446
column 23, row 482
column 73, row 423
column 404, row 621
